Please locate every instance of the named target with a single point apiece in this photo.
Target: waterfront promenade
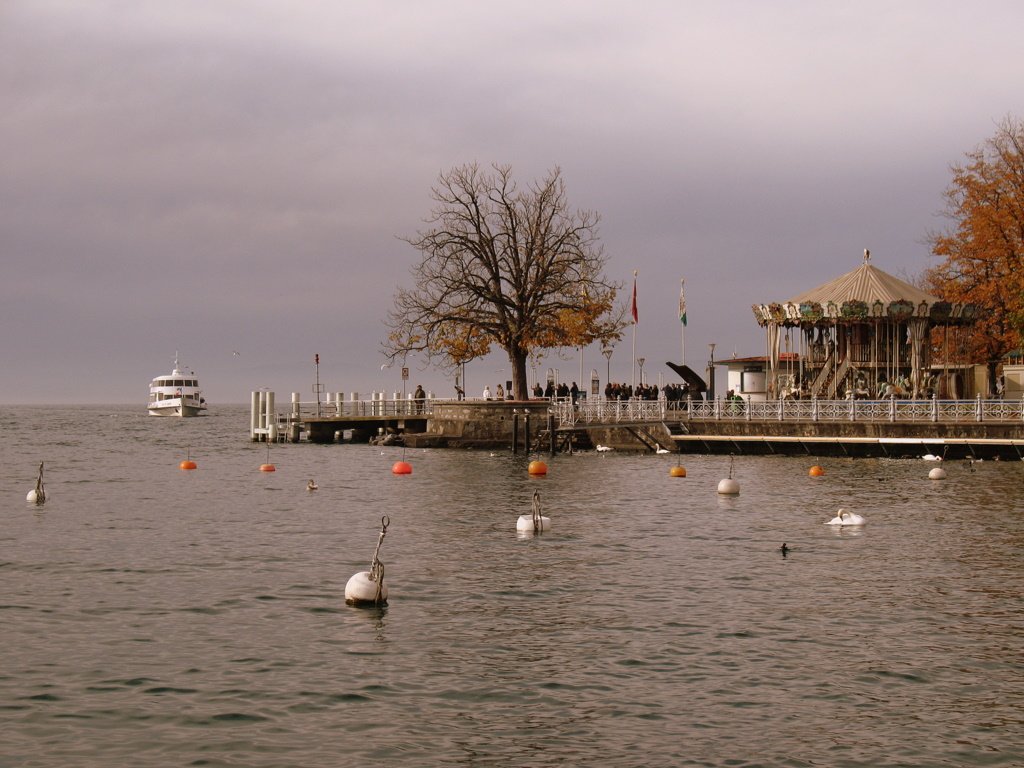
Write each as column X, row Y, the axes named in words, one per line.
column 975, row 428
column 891, row 411
column 968, row 429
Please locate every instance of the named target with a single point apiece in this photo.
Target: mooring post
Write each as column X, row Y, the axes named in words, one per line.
column 515, row 431
column 551, row 433
column 254, row 416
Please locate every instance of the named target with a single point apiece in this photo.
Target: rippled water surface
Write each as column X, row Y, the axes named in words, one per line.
column 155, row 617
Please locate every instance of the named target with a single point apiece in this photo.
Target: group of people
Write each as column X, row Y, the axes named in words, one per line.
column 562, row 391
column 672, row 393
column 499, row 393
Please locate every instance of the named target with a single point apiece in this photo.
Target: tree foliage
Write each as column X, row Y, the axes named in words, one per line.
column 504, row 267
column 983, row 253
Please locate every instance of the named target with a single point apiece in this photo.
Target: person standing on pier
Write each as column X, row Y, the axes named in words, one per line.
column 420, row 397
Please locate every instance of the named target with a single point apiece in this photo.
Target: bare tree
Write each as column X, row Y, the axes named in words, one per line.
column 500, row 266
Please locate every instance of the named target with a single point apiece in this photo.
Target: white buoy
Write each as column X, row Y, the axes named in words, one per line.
column 728, row 486
column 38, row 494
column 534, row 522
column 362, row 589
column 367, row 587
column 847, row 519
column 937, row 473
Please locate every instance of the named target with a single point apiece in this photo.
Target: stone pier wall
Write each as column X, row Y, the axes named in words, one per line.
column 481, row 423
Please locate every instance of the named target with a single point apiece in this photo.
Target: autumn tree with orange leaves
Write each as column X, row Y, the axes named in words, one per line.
column 504, row 267
column 983, row 253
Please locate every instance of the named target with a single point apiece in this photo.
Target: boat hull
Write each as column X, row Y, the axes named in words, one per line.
column 174, row 407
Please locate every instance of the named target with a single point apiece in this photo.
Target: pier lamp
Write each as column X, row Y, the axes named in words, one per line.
column 607, row 352
column 640, row 361
column 711, row 371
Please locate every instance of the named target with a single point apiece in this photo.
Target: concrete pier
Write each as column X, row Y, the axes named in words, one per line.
column 954, row 429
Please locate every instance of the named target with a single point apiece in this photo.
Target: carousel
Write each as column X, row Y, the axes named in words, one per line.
column 864, row 335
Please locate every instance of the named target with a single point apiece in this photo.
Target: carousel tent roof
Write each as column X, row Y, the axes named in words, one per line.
column 866, row 283
column 866, row 292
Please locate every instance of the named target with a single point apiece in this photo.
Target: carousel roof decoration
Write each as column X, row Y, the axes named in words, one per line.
column 862, row 295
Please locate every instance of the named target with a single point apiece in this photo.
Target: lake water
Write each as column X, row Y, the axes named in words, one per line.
column 151, row 616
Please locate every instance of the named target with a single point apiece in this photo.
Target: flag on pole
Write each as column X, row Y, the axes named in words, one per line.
column 682, row 302
column 636, row 318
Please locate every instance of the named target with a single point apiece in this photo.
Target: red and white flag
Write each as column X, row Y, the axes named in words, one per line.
column 636, row 318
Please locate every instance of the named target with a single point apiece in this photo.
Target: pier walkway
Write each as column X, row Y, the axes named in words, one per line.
column 950, row 428
column 322, row 420
column 954, row 428
column 597, row 413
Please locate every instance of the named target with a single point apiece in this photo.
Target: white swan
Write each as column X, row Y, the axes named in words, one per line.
column 931, row 457
column 603, row 448
column 661, row 450
column 845, row 518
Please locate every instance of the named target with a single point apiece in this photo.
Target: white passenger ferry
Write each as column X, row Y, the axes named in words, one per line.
column 176, row 394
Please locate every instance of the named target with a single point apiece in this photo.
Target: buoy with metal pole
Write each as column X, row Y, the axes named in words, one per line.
column 367, row 588
column 729, row 486
column 38, row 494
column 268, row 467
column 534, row 522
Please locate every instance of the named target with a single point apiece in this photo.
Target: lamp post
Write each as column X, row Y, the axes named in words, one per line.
column 640, row 361
column 711, row 372
column 607, row 352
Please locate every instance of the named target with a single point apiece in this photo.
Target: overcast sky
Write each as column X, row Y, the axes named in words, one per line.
column 221, row 176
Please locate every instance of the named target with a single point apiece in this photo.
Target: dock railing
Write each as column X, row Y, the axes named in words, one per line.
column 268, row 422
column 595, row 412
column 601, row 411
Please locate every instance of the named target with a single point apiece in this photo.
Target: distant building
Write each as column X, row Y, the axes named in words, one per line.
column 748, row 376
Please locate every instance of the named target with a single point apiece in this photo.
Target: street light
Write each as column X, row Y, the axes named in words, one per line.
column 607, row 352
column 640, row 361
column 711, row 372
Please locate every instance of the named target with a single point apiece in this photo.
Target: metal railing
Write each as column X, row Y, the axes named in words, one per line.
column 814, row 410
column 381, row 408
column 598, row 411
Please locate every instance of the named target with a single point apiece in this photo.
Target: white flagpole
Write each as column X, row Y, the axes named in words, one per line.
column 635, row 316
column 682, row 325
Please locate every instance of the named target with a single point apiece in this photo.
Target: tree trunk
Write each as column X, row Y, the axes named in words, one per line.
column 520, row 386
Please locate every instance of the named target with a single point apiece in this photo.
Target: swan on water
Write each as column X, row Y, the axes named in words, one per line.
column 931, row 457
column 846, row 518
column 603, row 448
column 661, row 450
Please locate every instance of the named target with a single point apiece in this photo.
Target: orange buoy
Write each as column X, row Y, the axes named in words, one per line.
column 267, row 468
column 537, row 468
column 677, row 471
column 187, row 464
column 816, row 471
column 401, row 468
